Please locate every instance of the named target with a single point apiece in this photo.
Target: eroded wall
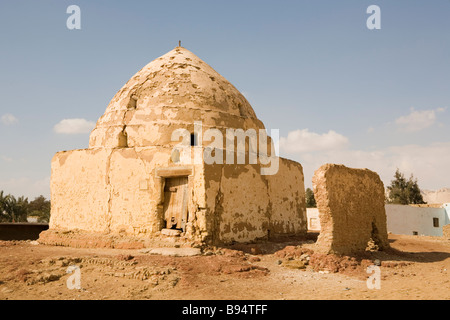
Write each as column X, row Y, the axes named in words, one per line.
column 286, row 192
column 242, row 205
column 119, row 190
column 351, row 209
column 80, row 191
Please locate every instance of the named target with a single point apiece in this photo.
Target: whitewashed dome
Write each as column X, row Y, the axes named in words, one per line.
column 171, row 92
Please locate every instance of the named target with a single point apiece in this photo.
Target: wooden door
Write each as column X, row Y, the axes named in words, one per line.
column 175, row 202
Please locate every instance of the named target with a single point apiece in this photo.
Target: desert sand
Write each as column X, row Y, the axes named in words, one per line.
column 415, row 267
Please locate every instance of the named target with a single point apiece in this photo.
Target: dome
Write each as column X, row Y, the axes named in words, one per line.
column 171, row 92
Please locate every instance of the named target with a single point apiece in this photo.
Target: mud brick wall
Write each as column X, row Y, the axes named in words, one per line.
column 446, row 231
column 351, row 209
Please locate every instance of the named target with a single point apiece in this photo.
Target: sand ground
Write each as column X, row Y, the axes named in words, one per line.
column 417, row 267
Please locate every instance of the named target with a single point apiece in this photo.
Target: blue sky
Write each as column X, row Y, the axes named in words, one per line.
column 337, row 91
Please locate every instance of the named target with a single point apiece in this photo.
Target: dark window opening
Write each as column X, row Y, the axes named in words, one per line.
column 436, row 222
column 193, row 139
column 415, row 233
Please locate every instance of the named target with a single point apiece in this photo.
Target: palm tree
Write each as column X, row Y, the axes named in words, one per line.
column 14, row 210
column 2, row 207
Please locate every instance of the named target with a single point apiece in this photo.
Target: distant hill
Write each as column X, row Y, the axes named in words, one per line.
column 436, row 196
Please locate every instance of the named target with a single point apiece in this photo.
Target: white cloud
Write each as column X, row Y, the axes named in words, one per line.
column 418, row 120
column 74, row 126
column 9, row 119
column 303, row 141
column 428, row 163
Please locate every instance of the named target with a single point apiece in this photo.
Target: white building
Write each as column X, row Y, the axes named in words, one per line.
column 403, row 219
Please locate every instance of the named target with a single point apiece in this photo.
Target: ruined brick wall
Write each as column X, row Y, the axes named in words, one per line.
column 351, row 209
column 116, row 191
column 242, row 205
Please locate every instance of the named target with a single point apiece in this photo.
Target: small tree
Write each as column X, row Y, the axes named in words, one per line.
column 18, row 209
column 403, row 191
column 310, row 200
column 40, row 207
column 415, row 195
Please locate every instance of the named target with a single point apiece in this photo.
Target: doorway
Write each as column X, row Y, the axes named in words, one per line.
column 176, row 202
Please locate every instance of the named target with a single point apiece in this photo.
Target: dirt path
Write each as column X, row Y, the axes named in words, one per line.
column 416, row 268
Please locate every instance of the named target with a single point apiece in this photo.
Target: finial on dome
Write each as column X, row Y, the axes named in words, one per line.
column 179, row 43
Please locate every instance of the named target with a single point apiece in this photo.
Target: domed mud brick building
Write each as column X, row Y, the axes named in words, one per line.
column 131, row 182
